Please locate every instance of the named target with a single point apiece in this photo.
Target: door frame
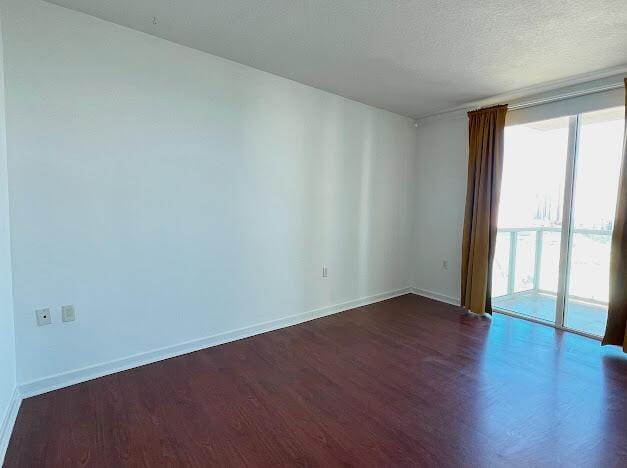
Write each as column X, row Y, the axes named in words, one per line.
column 567, row 220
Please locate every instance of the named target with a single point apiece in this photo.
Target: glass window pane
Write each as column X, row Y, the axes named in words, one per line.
column 549, row 261
column 525, row 261
column 501, row 265
column 599, row 158
column 530, row 216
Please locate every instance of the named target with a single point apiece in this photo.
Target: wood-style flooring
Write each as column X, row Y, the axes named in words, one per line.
column 404, row 382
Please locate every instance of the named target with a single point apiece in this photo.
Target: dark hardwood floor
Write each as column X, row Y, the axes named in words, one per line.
column 405, row 382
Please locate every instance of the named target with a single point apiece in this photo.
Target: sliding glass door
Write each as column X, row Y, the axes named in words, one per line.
column 558, row 197
column 526, row 266
column 598, row 160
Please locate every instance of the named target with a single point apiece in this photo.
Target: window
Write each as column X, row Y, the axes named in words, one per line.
column 558, row 197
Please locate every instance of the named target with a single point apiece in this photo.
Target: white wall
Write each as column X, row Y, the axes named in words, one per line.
column 440, row 180
column 7, row 341
column 171, row 195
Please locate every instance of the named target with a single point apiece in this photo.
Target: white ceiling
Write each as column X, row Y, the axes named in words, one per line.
column 413, row 57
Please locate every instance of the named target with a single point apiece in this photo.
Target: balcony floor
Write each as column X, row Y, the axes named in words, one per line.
column 580, row 315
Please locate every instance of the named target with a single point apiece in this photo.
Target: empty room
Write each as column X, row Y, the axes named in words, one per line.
column 313, row 233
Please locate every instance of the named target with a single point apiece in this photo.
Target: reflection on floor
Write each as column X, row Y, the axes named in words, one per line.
column 580, row 315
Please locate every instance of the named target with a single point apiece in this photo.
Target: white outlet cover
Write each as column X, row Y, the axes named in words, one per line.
column 68, row 314
column 43, row 317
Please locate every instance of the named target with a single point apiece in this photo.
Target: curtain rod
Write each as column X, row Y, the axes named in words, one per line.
column 521, row 103
column 561, row 97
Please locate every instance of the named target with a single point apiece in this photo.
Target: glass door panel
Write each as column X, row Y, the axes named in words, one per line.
column 598, row 160
column 526, row 267
column 549, row 271
column 500, row 267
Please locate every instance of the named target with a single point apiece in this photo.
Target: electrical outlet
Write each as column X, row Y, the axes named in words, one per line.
column 445, row 264
column 325, row 272
column 68, row 314
column 43, row 317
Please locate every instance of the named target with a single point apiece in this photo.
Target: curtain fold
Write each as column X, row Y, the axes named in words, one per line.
column 616, row 328
column 486, row 128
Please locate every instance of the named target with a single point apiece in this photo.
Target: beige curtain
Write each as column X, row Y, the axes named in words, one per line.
column 616, row 329
column 485, row 166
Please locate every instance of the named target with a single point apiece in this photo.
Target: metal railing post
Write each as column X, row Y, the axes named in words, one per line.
column 537, row 266
column 511, row 267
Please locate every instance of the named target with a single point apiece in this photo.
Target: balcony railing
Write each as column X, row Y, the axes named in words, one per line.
column 591, row 258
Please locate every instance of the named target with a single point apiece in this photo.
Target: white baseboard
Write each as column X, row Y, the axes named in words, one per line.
column 54, row 382
column 8, row 421
column 436, row 296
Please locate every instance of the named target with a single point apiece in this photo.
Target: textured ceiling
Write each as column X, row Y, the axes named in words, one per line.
column 413, row 57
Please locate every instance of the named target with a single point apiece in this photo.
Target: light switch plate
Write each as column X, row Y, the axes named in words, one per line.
column 68, row 314
column 43, row 317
